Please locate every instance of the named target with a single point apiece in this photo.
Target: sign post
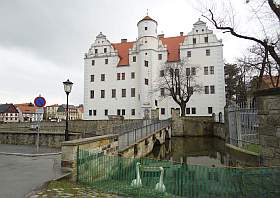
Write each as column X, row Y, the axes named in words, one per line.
column 39, row 102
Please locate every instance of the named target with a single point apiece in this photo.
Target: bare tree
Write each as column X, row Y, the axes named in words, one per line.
column 178, row 80
column 265, row 16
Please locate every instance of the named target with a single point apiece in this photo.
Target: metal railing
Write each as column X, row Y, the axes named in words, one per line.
column 148, row 127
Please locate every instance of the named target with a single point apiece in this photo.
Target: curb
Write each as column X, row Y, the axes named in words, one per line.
column 30, row 155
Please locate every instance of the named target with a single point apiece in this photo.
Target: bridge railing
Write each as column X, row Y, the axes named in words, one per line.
column 131, row 136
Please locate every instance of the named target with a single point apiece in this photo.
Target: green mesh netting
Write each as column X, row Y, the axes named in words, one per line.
column 115, row 174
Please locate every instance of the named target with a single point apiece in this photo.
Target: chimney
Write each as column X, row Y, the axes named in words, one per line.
column 123, row 40
column 161, row 36
column 181, row 33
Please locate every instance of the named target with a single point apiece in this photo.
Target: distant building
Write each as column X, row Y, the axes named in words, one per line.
column 51, row 112
column 73, row 112
column 80, row 112
column 120, row 78
column 8, row 113
column 27, row 112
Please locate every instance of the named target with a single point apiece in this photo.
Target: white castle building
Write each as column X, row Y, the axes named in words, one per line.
column 120, row 78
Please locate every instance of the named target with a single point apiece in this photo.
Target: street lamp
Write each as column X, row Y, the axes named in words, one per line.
column 67, row 88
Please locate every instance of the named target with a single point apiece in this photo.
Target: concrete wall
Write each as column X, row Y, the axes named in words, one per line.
column 107, row 144
column 49, row 139
column 145, row 146
column 98, row 127
column 268, row 105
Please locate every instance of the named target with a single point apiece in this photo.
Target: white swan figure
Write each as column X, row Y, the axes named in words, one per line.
column 137, row 182
column 160, row 186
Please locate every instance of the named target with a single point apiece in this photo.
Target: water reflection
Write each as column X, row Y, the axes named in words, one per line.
column 201, row 151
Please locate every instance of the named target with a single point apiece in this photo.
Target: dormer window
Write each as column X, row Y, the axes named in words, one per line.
column 105, row 50
column 146, row 28
column 96, row 51
column 196, row 30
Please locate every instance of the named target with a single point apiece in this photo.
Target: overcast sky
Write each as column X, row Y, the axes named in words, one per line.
column 42, row 43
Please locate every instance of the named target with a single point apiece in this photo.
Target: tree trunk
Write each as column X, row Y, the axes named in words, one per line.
column 183, row 109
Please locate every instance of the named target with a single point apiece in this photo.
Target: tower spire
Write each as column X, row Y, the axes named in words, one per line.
column 147, row 12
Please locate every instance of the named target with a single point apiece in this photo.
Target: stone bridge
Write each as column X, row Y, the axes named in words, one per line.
column 136, row 142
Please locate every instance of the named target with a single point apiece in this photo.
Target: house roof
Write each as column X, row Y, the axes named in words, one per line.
column 267, row 81
column 26, row 108
column 123, row 49
column 147, row 18
column 62, row 108
column 8, row 108
column 172, row 43
column 173, row 47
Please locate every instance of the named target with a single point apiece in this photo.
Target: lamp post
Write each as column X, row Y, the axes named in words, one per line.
column 67, row 88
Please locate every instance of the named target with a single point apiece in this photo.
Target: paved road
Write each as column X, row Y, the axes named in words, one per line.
column 20, row 175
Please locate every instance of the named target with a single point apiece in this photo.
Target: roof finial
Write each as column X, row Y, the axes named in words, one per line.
column 147, row 12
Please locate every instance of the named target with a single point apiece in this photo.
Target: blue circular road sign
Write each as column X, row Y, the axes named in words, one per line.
column 40, row 101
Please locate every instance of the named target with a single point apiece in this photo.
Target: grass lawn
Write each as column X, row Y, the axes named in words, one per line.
column 256, row 148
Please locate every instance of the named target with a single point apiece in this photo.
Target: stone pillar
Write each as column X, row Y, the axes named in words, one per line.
column 268, row 106
column 177, row 123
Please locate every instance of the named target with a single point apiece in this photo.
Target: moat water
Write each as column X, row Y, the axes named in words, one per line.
column 205, row 151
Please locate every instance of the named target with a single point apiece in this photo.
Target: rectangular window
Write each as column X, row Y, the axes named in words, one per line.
column 210, row 110
column 91, row 78
column 212, row 89
column 189, row 54
column 102, row 93
column 162, row 111
column 90, row 112
column 106, row 112
column 96, row 51
column 176, row 72
column 206, row 89
column 211, row 69
column 132, row 75
column 118, row 112
column 162, row 92
column 161, row 73
column 194, row 40
column 193, row 110
column 156, row 103
column 132, row 92
column 206, row 39
column 105, row 50
column 132, row 111
column 193, row 71
column 205, row 70
column 188, row 71
column 123, row 93
column 123, row 76
column 146, row 81
column 123, row 112
column 188, row 111
column 106, row 61
column 94, row 112
column 134, row 59
column 146, row 63
column 118, row 76
column 92, row 62
column 208, row 52
column 159, row 56
column 113, row 93
column 91, row 93
column 102, row 77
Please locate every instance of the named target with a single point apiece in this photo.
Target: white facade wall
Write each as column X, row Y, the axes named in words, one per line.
column 146, row 48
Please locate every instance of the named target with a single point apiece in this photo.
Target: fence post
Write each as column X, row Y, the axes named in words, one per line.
column 78, row 163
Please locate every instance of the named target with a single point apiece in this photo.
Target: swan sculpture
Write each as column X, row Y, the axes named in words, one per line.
column 160, row 186
column 137, row 182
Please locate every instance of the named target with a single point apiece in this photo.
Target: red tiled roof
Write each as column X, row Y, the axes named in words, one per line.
column 172, row 43
column 26, row 107
column 147, row 18
column 173, row 47
column 123, row 52
column 267, row 81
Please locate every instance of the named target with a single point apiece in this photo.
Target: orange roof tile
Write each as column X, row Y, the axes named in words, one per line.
column 173, row 47
column 26, row 107
column 123, row 52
